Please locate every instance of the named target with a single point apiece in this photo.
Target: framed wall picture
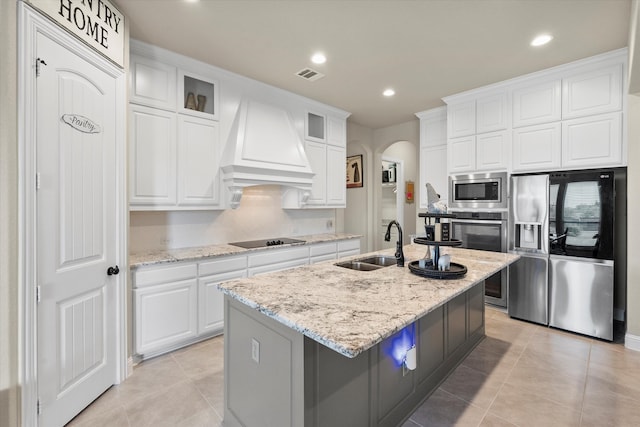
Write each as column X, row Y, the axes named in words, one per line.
column 354, row 171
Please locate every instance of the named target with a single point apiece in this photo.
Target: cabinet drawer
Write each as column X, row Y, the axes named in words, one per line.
column 275, row 256
column 157, row 275
column 222, row 265
column 322, row 249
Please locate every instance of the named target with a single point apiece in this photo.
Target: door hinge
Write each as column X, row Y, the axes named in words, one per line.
column 37, row 293
column 38, row 62
column 38, row 407
column 37, row 180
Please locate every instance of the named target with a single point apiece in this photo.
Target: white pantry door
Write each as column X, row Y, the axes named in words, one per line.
column 76, row 232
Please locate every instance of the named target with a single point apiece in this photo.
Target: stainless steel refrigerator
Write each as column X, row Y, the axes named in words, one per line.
column 562, row 225
column 581, row 227
column 528, row 237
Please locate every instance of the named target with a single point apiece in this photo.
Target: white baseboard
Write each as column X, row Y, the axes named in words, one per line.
column 632, row 342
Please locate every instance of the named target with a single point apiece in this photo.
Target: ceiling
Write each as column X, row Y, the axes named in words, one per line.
column 425, row 50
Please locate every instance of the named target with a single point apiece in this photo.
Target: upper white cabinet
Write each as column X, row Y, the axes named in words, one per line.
column 152, row 156
column 592, row 141
column 491, row 112
column 537, row 148
column 461, row 154
column 152, row 83
column 492, row 150
column 326, row 150
column 567, row 117
column 461, row 119
column 433, row 153
column 536, row 103
column 593, row 92
column 174, row 138
column 198, row 161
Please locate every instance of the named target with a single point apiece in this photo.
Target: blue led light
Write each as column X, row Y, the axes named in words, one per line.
column 402, row 342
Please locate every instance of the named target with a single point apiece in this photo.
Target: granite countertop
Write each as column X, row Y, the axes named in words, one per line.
column 201, row 252
column 350, row 311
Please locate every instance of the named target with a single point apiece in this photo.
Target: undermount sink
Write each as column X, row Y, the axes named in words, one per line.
column 380, row 260
column 369, row 263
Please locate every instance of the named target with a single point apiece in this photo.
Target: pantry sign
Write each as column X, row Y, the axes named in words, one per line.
column 97, row 22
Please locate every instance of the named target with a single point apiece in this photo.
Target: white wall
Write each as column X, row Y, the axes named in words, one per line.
column 9, row 260
column 259, row 216
column 358, row 216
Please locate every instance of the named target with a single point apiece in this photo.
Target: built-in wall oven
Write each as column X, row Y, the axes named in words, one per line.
column 487, row 231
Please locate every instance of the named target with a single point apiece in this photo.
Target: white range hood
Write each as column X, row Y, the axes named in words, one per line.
column 264, row 148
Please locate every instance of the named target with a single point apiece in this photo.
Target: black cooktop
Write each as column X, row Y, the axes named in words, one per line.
column 252, row 244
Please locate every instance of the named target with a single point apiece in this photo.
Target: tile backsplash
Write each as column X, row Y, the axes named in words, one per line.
column 260, row 215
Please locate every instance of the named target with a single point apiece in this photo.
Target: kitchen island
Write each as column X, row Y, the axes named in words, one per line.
column 324, row 345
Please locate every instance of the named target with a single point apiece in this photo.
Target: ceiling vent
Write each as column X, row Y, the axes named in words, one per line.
column 309, row 74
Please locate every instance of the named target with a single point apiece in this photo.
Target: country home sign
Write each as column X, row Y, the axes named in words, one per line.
column 97, row 22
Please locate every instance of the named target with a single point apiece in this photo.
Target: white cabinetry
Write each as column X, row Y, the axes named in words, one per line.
column 433, row 153
column 477, row 140
column 176, row 305
column 592, row 141
column 269, row 261
column 174, row 147
column 567, row 117
column 348, row 247
column 537, row 148
column 165, row 301
column 536, row 102
column 210, row 299
column 152, row 156
column 152, row 83
column 198, row 161
column 592, row 92
column 322, row 252
column 326, row 149
column 461, row 119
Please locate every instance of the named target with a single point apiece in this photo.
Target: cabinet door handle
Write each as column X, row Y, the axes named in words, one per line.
column 111, row 271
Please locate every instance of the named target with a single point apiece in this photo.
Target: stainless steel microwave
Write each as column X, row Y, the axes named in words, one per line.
column 482, row 191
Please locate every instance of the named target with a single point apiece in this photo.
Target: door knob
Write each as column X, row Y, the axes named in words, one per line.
column 113, row 271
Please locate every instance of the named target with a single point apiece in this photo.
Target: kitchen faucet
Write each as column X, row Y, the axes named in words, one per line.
column 387, row 237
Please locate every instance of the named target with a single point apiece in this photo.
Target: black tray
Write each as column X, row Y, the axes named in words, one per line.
column 455, row 270
column 424, row 241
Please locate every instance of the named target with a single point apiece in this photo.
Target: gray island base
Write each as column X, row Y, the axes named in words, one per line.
column 322, row 345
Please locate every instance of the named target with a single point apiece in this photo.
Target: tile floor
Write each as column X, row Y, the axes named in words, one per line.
column 520, row 375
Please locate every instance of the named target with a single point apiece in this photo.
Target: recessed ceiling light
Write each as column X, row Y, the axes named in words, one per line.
column 542, row 39
column 389, row 92
column 318, row 58
column 191, row 1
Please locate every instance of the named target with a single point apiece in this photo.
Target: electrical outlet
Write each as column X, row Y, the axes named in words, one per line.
column 329, row 224
column 255, row 350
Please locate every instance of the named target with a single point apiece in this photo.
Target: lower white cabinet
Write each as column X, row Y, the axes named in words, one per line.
column 277, row 260
column 322, row 252
column 537, row 148
column 348, row 247
column 178, row 304
column 165, row 308
column 210, row 299
column 592, row 141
